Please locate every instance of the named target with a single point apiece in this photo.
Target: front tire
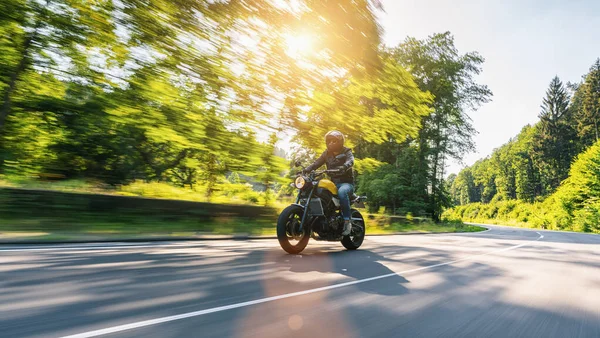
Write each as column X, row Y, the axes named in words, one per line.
column 357, row 235
column 290, row 238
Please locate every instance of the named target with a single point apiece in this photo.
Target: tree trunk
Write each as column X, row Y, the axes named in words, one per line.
column 596, row 129
column 434, row 190
column 12, row 82
column 7, row 96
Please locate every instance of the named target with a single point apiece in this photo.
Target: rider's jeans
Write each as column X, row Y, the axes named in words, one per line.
column 345, row 190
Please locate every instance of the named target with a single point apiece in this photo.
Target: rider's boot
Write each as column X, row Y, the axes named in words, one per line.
column 347, row 227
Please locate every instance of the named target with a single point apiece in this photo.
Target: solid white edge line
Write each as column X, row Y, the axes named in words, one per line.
column 155, row 321
column 532, row 229
column 116, row 245
column 77, row 248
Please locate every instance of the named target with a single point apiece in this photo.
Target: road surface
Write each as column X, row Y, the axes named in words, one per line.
column 505, row 282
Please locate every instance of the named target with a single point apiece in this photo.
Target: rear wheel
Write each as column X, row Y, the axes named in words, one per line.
column 291, row 238
column 357, row 235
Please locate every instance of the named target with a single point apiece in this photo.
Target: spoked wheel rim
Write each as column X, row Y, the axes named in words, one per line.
column 292, row 229
column 358, row 229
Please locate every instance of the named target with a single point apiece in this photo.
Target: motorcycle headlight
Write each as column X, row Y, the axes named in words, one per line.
column 300, row 182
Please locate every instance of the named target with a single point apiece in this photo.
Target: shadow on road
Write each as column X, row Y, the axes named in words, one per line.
column 357, row 265
column 71, row 292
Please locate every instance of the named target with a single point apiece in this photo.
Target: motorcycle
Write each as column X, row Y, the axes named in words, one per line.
column 317, row 214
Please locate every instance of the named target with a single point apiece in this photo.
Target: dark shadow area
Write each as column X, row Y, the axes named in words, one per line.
column 359, row 264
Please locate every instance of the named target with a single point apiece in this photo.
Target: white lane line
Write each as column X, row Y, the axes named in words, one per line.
column 103, row 247
column 75, row 248
column 502, row 226
column 155, row 321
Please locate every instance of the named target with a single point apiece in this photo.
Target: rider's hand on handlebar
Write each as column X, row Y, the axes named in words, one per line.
column 340, row 169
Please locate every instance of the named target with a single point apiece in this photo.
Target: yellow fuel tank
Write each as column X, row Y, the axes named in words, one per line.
column 327, row 184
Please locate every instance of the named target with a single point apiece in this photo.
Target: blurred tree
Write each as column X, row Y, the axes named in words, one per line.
column 47, row 39
column 386, row 107
column 270, row 170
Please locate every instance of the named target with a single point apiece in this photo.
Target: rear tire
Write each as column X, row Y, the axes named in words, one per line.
column 290, row 239
column 357, row 235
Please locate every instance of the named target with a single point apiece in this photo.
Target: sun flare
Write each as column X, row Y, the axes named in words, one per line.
column 298, row 45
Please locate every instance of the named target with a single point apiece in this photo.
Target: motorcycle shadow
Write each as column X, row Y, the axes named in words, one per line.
column 358, row 265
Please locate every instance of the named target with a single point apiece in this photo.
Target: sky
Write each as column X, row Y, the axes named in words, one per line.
column 525, row 44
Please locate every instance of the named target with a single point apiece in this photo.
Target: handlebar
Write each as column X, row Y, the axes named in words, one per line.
column 321, row 172
column 328, row 171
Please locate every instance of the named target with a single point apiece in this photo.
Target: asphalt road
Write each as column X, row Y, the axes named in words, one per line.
column 505, row 282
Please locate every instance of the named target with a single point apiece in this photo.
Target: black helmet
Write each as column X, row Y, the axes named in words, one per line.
column 334, row 141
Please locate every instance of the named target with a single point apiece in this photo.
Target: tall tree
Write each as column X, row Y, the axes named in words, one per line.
column 554, row 146
column 48, row 36
column 588, row 115
column 440, row 69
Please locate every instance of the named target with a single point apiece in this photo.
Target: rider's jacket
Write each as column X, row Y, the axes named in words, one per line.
column 345, row 159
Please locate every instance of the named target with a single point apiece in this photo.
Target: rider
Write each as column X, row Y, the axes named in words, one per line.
column 338, row 157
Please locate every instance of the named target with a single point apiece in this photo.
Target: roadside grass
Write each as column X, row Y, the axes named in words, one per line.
column 423, row 227
column 31, row 218
column 101, row 227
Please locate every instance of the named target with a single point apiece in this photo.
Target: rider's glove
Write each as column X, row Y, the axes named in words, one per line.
column 341, row 169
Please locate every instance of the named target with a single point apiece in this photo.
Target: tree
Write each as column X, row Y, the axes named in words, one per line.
column 44, row 37
column 588, row 114
column 385, row 107
column 270, row 171
column 463, row 189
column 484, row 175
column 526, row 175
column 394, row 186
column 579, row 195
column 554, row 145
column 440, row 69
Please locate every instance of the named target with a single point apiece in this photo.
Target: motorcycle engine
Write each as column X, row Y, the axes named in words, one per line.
column 336, row 221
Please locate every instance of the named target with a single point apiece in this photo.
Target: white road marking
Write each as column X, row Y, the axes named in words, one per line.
column 124, row 245
column 155, row 321
column 114, row 245
column 506, row 227
column 74, row 248
column 475, row 232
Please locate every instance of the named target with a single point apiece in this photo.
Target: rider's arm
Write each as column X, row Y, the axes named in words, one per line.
column 319, row 162
column 349, row 159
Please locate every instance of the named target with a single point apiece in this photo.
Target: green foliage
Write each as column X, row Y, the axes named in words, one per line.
column 394, row 187
column 587, row 106
column 374, row 109
column 532, row 165
column 553, row 144
column 574, row 206
column 166, row 99
column 447, row 132
column 164, row 91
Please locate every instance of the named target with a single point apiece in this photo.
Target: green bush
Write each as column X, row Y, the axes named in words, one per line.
column 574, row 206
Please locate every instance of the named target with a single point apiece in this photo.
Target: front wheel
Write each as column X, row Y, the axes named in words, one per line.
column 357, row 235
column 291, row 238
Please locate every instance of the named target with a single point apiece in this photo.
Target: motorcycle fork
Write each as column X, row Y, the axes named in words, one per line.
column 305, row 209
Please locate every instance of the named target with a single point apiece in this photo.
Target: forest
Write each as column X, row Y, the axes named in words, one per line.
column 214, row 100
column 548, row 176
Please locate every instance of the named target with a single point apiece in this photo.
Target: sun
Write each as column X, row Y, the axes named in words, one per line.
column 298, row 45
